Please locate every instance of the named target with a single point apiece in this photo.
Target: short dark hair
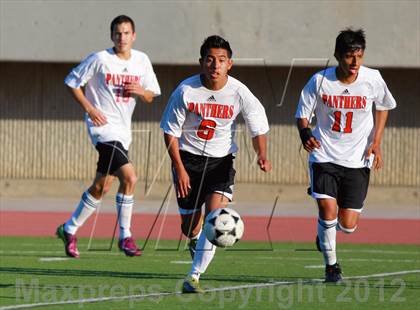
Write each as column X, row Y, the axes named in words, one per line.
column 349, row 40
column 122, row 19
column 215, row 41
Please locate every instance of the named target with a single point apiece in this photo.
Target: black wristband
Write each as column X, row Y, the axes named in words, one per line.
column 305, row 134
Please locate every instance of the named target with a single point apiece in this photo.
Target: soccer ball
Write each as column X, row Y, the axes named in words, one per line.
column 223, row 227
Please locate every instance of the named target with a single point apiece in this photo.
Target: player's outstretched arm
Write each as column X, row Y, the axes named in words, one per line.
column 260, row 147
column 375, row 147
column 183, row 180
column 95, row 115
column 309, row 142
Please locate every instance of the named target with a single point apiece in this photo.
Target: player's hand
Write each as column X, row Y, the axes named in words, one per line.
column 97, row 117
column 311, row 144
column 375, row 149
column 264, row 163
column 183, row 183
column 133, row 88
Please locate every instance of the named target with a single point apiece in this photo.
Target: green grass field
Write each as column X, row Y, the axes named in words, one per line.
column 249, row 277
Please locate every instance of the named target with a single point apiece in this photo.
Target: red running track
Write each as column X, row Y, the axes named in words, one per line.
column 296, row 229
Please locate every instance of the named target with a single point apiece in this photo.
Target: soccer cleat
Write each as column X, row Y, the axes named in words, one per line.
column 191, row 247
column 191, row 286
column 333, row 273
column 318, row 245
column 70, row 242
column 129, row 247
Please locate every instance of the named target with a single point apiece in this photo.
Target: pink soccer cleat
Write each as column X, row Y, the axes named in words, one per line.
column 129, row 247
column 70, row 242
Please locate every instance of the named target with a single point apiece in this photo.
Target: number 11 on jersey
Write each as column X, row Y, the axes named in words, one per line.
column 337, row 122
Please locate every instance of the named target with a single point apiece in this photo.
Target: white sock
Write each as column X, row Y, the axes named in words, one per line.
column 204, row 253
column 125, row 209
column 84, row 210
column 327, row 236
column 345, row 230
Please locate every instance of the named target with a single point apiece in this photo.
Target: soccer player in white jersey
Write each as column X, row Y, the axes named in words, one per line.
column 346, row 141
column 113, row 79
column 199, row 131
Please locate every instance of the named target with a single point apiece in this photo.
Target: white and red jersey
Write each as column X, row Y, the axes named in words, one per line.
column 104, row 75
column 344, row 119
column 204, row 119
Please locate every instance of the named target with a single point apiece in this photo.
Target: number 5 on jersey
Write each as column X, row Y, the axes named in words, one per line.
column 206, row 129
column 337, row 122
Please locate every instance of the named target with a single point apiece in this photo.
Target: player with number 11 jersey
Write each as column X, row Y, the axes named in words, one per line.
column 346, row 141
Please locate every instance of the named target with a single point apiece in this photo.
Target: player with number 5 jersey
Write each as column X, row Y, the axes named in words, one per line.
column 346, row 140
column 199, row 126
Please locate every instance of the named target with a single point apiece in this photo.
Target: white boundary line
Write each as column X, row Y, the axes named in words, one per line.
column 221, row 289
column 259, row 260
column 275, row 250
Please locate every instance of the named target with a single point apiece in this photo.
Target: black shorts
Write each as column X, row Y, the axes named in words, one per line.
column 348, row 186
column 112, row 156
column 218, row 176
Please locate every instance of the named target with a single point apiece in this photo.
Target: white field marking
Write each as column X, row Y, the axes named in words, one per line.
column 382, row 260
column 180, row 262
column 417, row 252
column 57, row 252
column 315, row 266
column 219, row 289
column 385, row 274
column 379, row 251
column 378, row 260
column 162, row 253
column 310, row 281
column 52, row 259
column 88, row 300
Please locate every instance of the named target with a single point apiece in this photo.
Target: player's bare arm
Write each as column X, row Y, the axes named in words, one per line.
column 97, row 117
column 260, row 147
column 135, row 89
column 309, row 142
column 375, row 147
column 183, row 180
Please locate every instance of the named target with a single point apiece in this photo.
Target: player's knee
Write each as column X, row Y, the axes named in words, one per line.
column 98, row 190
column 130, row 180
column 106, row 187
column 348, row 229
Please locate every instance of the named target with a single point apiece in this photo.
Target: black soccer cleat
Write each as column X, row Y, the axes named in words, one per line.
column 333, row 273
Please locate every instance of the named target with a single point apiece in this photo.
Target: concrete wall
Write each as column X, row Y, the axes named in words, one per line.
column 42, row 135
column 171, row 31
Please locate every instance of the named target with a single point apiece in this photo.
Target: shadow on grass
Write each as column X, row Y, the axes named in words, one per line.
column 243, row 279
column 137, row 275
column 88, row 273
